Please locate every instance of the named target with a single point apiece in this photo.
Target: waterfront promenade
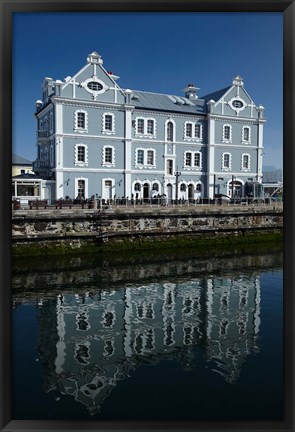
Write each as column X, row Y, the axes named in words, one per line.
column 142, row 226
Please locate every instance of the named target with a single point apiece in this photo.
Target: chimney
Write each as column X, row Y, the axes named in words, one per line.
column 190, row 92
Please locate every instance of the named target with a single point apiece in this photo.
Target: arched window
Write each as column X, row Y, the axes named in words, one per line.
column 155, row 187
column 183, row 187
column 137, row 187
column 170, row 131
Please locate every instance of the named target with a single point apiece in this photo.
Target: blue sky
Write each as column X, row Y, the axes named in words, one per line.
column 160, row 52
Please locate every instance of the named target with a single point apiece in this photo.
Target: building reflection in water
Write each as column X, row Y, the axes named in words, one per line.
column 89, row 342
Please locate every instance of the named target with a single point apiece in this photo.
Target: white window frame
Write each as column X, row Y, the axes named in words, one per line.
column 103, row 184
column 242, row 162
column 244, row 141
column 76, row 161
column 145, row 133
column 108, row 131
column 79, row 129
column 104, row 162
column 174, row 130
column 86, row 186
column 193, row 137
column 224, row 168
column 145, row 158
column 227, row 140
column 192, row 166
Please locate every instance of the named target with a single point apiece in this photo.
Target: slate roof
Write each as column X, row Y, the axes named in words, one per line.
column 164, row 102
column 216, row 95
column 18, row 160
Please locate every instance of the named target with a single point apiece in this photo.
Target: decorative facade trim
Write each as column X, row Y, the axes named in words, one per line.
column 145, row 127
column 80, row 155
column 245, row 162
column 226, row 161
column 108, row 156
column 246, row 135
column 81, row 121
column 192, row 131
column 145, row 158
column 192, row 160
column 108, row 123
column 227, row 133
column 170, row 130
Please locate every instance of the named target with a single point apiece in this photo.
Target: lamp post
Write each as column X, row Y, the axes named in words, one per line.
column 177, row 174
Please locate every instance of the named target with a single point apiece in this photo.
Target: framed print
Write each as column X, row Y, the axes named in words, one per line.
column 147, row 259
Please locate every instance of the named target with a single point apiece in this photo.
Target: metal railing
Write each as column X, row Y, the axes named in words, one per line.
column 121, row 203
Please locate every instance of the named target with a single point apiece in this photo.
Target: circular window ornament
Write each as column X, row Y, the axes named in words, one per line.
column 94, row 86
column 237, row 104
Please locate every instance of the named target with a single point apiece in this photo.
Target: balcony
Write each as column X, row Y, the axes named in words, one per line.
column 42, row 134
column 40, row 164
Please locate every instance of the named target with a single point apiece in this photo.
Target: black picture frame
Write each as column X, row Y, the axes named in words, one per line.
column 287, row 8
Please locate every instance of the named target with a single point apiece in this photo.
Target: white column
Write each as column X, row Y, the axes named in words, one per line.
column 260, row 150
column 128, row 150
column 211, row 158
column 58, row 119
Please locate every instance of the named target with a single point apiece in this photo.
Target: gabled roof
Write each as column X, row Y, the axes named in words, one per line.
column 18, row 160
column 164, row 102
column 216, row 95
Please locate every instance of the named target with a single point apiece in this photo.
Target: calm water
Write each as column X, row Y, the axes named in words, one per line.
column 151, row 336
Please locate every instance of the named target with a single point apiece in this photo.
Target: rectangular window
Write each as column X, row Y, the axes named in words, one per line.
column 150, row 127
column 189, row 130
column 140, row 156
column 188, row 159
column 245, row 161
column 197, row 159
column 226, row 161
column 81, row 154
column 246, row 134
column 108, row 122
column 169, row 167
column 108, row 155
column 226, row 132
column 150, row 157
column 140, row 126
column 198, row 131
column 81, row 120
column 81, row 188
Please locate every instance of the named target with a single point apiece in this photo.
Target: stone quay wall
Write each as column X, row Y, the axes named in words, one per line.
column 101, row 226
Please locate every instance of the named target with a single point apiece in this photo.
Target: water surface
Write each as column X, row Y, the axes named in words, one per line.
column 149, row 336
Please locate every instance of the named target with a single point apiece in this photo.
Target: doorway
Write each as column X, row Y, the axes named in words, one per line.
column 146, row 191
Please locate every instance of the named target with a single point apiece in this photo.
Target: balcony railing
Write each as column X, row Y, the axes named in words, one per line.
column 37, row 164
column 42, row 134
